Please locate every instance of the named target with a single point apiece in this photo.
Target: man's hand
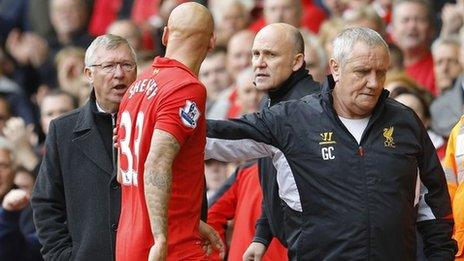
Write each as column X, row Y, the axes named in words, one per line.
column 15, row 200
column 211, row 239
column 452, row 17
column 158, row 251
column 254, row 252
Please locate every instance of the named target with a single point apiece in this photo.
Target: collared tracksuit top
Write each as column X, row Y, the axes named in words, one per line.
column 347, row 201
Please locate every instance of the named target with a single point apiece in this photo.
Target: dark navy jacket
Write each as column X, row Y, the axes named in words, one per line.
column 354, row 201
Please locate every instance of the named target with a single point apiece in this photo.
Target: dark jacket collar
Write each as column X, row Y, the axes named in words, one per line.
column 86, row 118
column 279, row 93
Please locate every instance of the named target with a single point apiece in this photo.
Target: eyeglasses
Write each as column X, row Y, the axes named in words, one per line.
column 110, row 67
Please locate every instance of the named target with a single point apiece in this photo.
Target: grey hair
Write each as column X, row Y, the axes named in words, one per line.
column 344, row 42
column 449, row 40
column 109, row 42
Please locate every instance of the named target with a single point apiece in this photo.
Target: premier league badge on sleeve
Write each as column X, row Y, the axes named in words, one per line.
column 189, row 114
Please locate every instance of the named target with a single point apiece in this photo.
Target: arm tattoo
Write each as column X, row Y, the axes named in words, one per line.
column 157, row 180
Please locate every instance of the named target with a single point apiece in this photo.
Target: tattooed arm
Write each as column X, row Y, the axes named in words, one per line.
column 157, row 183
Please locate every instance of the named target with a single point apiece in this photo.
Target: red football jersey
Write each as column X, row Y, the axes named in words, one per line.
column 172, row 100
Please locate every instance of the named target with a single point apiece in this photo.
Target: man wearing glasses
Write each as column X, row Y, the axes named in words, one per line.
column 76, row 200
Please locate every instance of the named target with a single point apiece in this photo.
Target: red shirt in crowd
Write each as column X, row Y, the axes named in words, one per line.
column 242, row 203
column 172, row 100
column 422, row 72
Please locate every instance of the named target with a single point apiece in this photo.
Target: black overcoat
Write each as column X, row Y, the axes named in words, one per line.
column 76, row 199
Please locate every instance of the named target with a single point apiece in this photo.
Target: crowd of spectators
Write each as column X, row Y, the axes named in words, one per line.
column 43, row 43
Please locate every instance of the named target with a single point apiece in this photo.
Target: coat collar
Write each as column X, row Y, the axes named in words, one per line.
column 278, row 94
column 88, row 139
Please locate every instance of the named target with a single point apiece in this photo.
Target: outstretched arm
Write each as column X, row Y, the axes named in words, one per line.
column 157, row 183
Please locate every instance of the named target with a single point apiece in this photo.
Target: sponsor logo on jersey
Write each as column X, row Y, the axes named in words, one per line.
column 189, row 114
column 388, row 136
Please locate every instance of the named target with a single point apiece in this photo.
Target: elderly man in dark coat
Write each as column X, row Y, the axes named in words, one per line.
column 76, row 200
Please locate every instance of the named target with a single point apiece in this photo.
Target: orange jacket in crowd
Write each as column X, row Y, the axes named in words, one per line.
column 453, row 164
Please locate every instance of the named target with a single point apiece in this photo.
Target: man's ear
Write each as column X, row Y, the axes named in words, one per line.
column 88, row 73
column 298, row 62
column 334, row 69
column 212, row 43
column 164, row 38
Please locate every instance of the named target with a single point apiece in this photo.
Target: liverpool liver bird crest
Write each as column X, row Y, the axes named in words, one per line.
column 388, row 135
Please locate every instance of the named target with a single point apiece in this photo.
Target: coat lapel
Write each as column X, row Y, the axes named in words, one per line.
column 88, row 139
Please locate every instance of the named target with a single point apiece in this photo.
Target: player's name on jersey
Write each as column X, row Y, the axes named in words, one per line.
column 146, row 85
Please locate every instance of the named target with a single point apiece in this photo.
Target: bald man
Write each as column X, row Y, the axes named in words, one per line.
column 278, row 70
column 161, row 139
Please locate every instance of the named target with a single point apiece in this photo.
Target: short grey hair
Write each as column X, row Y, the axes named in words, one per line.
column 449, row 40
column 344, row 42
column 109, row 42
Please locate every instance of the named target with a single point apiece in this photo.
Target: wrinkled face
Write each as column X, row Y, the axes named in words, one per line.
column 281, row 11
column 446, row 65
column 67, row 16
column 411, row 28
column 273, row 59
column 110, row 85
column 52, row 107
column 213, row 74
column 248, row 97
column 239, row 54
column 360, row 80
column 6, row 172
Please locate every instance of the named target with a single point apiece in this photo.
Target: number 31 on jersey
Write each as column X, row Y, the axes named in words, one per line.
column 128, row 150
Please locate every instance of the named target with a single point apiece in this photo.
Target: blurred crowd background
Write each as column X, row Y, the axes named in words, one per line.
column 43, row 44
